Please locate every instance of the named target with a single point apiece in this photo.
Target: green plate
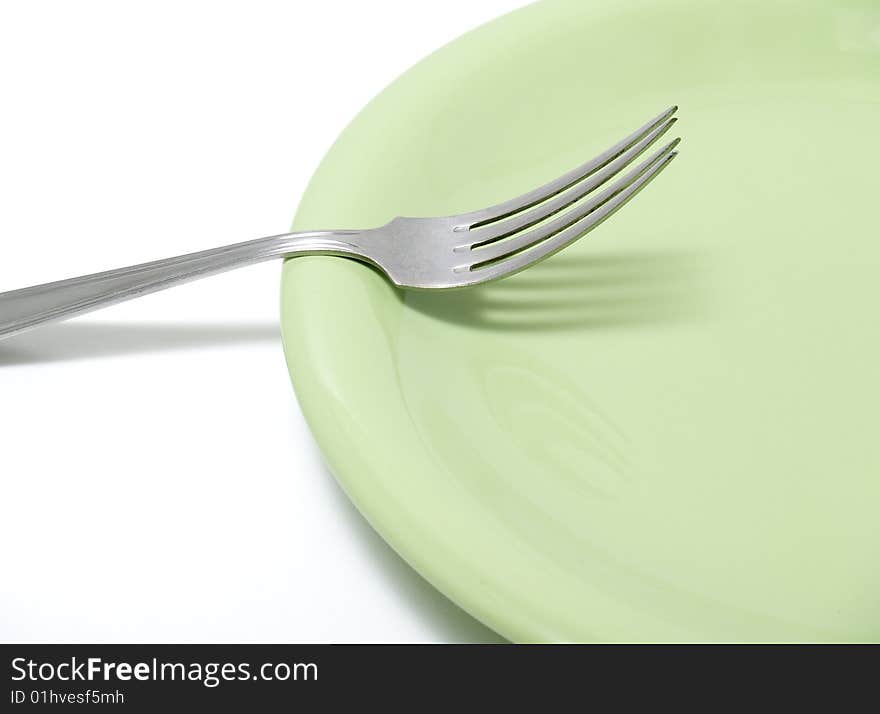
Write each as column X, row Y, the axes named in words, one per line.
column 668, row 432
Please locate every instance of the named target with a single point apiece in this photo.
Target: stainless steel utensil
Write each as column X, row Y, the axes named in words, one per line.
column 420, row 253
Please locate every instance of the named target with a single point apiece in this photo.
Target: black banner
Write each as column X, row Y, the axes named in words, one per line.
column 256, row 677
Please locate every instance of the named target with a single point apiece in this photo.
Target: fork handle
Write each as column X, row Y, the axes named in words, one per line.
column 30, row 307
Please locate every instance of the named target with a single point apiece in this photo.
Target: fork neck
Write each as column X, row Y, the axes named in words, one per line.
column 305, row 243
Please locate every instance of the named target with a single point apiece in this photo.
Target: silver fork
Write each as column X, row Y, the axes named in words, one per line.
column 421, row 253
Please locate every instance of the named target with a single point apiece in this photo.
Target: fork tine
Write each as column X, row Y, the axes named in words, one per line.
column 539, row 195
column 498, row 250
column 521, row 221
column 522, row 260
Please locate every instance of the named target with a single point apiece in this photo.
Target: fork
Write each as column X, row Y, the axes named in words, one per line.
column 418, row 253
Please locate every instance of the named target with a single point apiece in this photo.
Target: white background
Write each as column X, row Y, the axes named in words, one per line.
column 157, row 480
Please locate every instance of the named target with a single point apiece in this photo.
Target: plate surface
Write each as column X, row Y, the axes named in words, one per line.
column 670, row 430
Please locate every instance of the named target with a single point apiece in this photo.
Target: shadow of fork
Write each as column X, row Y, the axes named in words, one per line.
column 89, row 340
column 576, row 290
